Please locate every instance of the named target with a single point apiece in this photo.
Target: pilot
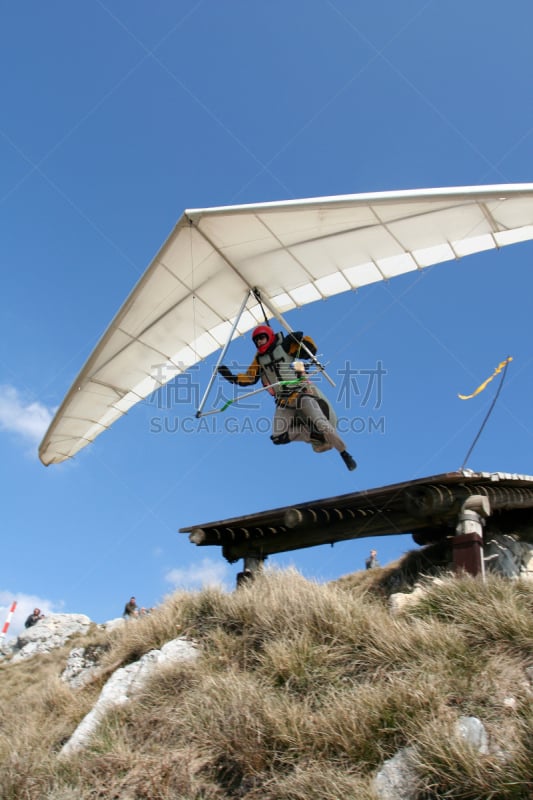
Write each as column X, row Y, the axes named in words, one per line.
column 302, row 412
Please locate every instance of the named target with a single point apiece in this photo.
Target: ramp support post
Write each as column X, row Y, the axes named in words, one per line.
column 468, row 540
column 252, row 566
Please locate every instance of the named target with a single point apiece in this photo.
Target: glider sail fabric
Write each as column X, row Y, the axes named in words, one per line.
column 295, row 252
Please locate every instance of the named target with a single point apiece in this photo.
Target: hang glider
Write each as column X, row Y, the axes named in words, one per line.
column 189, row 302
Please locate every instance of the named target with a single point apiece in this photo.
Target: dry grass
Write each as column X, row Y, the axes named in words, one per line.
column 39, row 713
column 450, row 767
column 496, row 611
column 301, row 691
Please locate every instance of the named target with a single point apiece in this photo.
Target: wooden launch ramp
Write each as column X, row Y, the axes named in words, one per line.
column 455, row 504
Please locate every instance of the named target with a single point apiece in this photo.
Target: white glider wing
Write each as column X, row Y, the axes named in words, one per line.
column 295, row 252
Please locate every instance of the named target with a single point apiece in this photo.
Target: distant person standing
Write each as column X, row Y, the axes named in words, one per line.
column 372, row 560
column 34, row 617
column 131, row 609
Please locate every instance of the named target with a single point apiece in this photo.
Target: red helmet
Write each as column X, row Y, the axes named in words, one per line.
column 263, row 330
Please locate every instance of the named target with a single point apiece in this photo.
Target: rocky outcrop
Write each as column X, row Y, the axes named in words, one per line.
column 125, row 683
column 397, row 779
column 51, row 632
column 508, row 555
column 83, row 664
column 47, row 634
column 504, row 554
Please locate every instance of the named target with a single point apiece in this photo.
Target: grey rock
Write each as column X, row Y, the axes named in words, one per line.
column 82, row 665
column 506, row 554
column 123, row 685
column 397, row 779
column 472, row 730
column 47, row 634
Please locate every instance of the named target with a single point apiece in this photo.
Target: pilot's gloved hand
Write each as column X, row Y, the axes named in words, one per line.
column 227, row 374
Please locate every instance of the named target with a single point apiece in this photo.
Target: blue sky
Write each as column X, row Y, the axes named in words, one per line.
column 117, row 116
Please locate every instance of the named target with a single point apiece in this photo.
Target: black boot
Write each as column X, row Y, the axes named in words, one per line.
column 348, row 460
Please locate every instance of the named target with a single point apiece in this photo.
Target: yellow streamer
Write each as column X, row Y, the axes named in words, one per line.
column 485, row 383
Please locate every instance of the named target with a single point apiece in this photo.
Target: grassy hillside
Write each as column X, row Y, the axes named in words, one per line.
column 301, row 691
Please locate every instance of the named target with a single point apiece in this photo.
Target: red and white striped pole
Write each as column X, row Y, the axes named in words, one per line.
column 8, row 619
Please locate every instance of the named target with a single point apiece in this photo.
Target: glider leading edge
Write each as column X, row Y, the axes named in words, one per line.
column 189, row 302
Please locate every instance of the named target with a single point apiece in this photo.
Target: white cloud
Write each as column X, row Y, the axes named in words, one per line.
column 206, row 573
column 25, row 605
column 17, row 415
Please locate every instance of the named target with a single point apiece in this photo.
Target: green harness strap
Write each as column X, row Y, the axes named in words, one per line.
column 295, row 382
